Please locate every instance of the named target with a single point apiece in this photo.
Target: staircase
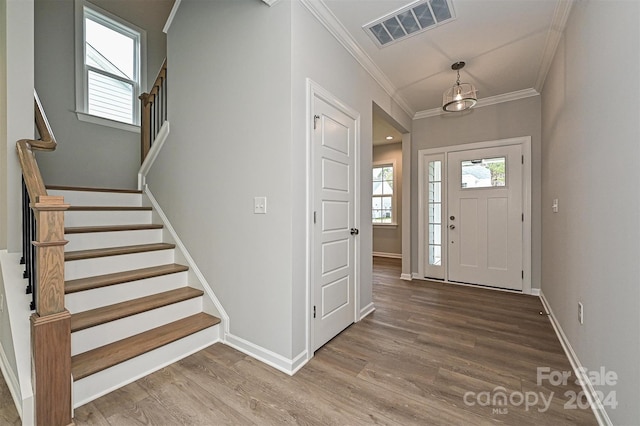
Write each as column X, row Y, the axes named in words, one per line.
column 132, row 309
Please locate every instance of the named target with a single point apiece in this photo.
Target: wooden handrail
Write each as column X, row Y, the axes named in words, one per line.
column 51, row 323
column 152, row 114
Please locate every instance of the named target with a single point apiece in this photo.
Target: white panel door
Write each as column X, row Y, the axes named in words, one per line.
column 334, row 230
column 485, row 216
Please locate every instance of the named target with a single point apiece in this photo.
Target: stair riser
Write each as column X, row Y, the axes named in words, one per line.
column 110, row 264
column 100, row 335
column 105, row 218
column 87, row 198
column 109, row 295
column 93, row 240
column 103, row 382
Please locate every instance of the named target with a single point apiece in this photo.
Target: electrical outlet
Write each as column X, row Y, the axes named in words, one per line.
column 580, row 313
column 554, row 206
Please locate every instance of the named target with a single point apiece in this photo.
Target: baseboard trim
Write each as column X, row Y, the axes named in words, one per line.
column 535, row 292
column 594, row 401
column 367, row 310
column 192, row 264
column 406, row 277
column 11, row 380
column 277, row 361
column 387, row 255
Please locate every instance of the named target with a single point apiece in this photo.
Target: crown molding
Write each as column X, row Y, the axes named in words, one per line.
column 271, row 2
column 498, row 99
column 558, row 24
column 172, row 15
column 324, row 15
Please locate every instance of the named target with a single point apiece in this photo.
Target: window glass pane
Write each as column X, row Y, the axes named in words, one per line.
column 434, row 234
column 376, row 203
column 386, row 216
column 484, row 173
column 435, row 171
column 110, row 98
column 109, row 50
column 434, row 213
column 386, row 203
column 377, row 174
column 434, row 192
column 435, row 255
column 377, row 188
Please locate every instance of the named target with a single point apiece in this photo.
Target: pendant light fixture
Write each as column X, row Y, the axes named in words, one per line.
column 461, row 96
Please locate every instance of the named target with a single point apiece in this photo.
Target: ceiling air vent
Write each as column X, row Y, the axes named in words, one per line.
column 413, row 19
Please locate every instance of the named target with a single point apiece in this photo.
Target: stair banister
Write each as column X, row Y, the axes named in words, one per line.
column 154, row 111
column 50, row 323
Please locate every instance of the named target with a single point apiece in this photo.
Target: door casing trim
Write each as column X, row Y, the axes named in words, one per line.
column 314, row 90
column 525, row 143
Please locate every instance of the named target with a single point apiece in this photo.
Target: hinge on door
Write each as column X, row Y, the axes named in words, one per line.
column 314, row 311
column 523, row 159
column 314, row 217
column 315, row 121
column 523, row 275
column 523, row 217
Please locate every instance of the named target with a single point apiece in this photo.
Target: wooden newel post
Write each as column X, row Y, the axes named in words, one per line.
column 145, row 126
column 51, row 323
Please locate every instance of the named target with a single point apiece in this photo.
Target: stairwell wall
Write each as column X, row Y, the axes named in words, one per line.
column 88, row 154
column 230, row 141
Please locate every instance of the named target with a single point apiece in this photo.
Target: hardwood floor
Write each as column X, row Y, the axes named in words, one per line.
column 431, row 354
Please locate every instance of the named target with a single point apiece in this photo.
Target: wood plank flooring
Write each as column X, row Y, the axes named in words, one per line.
column 411, row 362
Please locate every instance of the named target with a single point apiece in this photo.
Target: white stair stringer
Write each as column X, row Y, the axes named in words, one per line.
column 89, row 388
column 102, row 210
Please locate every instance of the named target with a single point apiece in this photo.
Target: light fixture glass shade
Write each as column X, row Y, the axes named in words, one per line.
column 460, row 97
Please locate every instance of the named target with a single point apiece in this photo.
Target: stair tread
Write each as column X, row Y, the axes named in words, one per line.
column 89, row 189
column 115, row 251
column 113, row 228
column 82, row 284
column 109, row 208
column 102, row 315
column 95, row 360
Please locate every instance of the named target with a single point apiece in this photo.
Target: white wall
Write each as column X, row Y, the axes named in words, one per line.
column 591, row 247
column 230, row 116
column 388, row 239
column 16, row 71
column 501, row 121
column 88, row 154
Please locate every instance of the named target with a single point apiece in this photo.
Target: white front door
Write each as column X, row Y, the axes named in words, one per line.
column 485, row 216
column 334, row 234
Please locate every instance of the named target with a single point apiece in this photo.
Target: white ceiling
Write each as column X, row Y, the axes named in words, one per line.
column 507, row 45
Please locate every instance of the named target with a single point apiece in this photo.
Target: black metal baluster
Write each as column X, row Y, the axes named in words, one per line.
column 25, row 208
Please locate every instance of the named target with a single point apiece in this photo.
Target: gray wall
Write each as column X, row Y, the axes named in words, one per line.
column 88, row 154
column 493, row 122
column 230, row 141
column 591, row 247
column 238, row 130
column 388, row 239
column 313, row 49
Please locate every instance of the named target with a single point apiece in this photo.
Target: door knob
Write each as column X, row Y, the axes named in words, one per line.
column 452, row 227
column 355, row 231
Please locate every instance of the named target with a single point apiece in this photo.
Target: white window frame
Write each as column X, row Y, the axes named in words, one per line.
column 394, row 196
column 118, row 24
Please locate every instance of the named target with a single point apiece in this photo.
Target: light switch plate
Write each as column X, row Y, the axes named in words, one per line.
column 260, row 205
